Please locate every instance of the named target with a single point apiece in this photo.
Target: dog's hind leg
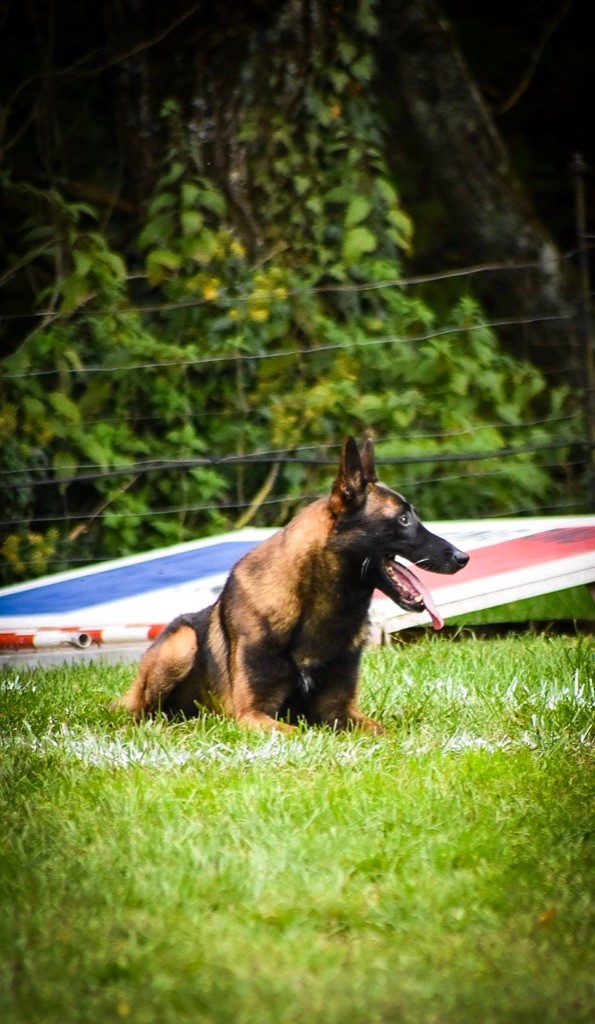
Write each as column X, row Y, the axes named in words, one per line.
column 165, row 665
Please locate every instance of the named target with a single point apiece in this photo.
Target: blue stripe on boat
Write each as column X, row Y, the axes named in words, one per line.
column 119, row 582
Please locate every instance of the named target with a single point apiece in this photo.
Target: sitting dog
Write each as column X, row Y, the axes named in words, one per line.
column 284, row 639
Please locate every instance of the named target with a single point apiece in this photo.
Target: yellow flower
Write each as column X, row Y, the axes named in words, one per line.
column 237, row 249
column 281, row 293
column 211, row 289
column 259, row 315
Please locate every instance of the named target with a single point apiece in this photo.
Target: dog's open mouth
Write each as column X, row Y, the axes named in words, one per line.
column 406, row 590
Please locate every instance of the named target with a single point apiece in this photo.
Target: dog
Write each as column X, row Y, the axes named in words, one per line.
column 284, row 639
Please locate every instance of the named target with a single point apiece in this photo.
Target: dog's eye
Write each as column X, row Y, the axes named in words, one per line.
column 404, row 519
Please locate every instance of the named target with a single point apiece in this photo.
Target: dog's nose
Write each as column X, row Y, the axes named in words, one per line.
column 460, row 557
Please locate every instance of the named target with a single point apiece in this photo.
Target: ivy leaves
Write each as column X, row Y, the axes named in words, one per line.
column 180, row 225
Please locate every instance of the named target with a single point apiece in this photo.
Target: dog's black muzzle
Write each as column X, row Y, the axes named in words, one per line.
column 454, row 559
column 436, row 554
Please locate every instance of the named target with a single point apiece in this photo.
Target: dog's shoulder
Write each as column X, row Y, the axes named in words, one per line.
column 266, row 587
column 305, row 534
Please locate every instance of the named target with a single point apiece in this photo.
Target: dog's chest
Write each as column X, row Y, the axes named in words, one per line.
column 321, row 638
column 307, row 683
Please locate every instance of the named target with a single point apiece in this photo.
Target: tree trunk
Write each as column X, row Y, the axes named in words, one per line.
column 194, row 54
column 469, row 169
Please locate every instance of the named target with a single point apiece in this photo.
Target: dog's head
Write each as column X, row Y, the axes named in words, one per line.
column 374, row 527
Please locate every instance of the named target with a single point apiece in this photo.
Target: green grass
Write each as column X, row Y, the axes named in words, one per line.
column 197, row 873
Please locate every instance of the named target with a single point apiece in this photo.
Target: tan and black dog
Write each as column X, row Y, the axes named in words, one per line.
column 284, row 639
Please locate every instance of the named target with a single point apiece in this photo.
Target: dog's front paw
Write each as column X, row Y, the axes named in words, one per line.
column 357, row 720
column 259, row 720
column 370, row 725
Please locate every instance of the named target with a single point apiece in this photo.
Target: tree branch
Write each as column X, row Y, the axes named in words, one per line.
column 527, row 77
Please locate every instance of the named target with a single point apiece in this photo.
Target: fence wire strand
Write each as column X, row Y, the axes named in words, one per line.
column 402, row 282
column 239, row 506
column 247, row 357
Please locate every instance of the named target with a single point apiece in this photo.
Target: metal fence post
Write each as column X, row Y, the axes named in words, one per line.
column 578, row 169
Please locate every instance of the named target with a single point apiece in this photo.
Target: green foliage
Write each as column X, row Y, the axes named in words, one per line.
column 220, row 333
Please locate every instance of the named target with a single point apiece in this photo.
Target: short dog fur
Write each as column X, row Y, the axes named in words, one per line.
column 284, row 639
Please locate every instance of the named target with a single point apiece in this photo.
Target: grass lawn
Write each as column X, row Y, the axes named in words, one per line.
column 197, row 873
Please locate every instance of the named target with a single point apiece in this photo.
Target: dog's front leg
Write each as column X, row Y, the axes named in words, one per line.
column 335, row 700
column 260, row 686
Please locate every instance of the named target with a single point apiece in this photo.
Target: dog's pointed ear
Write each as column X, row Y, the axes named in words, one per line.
column 368, row 463
column 349, row 488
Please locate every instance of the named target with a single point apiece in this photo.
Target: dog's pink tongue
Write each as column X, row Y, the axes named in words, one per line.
column 437, row 620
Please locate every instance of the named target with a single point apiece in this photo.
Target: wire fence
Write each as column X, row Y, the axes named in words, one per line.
column 291, row 499
column 288, row 457
column 353, row 287
column 312, row 350
column 577, row 450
